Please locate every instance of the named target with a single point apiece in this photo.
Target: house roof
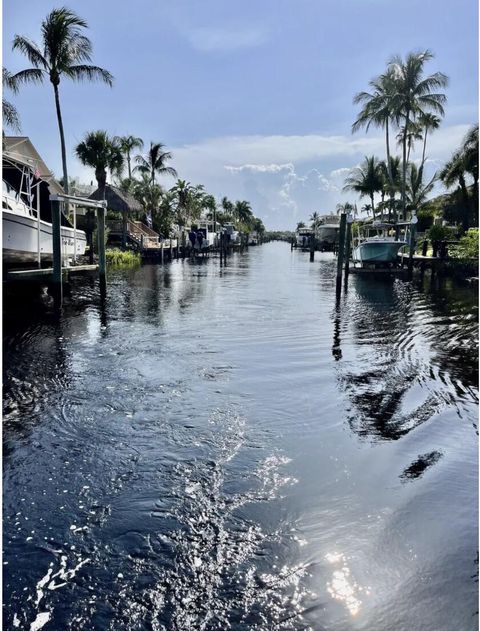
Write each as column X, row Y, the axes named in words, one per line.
column 20, row 149
column 117, row 199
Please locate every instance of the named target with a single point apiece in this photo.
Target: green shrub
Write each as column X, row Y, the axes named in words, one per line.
column 468, row 246
column 120, row 258
column 441, row 233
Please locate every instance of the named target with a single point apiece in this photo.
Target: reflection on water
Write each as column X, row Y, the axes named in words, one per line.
column 232, row 447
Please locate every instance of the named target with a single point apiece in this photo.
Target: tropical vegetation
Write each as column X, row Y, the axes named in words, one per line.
column 65, row 52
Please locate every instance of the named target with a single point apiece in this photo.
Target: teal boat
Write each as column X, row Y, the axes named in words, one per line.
column 376, row 243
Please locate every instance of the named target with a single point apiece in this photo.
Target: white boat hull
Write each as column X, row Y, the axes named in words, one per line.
column 20, row 239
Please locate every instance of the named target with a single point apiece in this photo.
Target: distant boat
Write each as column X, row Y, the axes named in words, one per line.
column 303, row 237
column 375, row 244
column 234, row 234
column 328, row 235
column 253, row 238
column 27, row 232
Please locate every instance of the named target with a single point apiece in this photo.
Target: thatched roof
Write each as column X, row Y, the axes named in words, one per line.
column 117, row 199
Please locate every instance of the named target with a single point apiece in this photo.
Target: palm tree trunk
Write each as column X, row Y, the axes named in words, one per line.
column 404, row 167
column 424, row 147
column 373, row 204
column 389, row 171
column 62, row 138
column 129, row 166
column 466, row 204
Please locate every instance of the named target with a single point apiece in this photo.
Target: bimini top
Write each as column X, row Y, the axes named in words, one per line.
column 20, row 150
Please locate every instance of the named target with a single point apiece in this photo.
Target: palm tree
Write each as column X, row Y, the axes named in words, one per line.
column 155, row 162
column 65, row 52
column 10, row 115
column 243, row 212
column 379, row 110
column 99, row 151
column 366, row 180
column 417, row 191
column 300, row 225
column 453, row 173
column 428, row 122
column 227, row 206
column 189, row 201
column 415, row 94
column 127, row 145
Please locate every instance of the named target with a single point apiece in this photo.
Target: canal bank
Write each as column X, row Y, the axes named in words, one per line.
column 213, row 446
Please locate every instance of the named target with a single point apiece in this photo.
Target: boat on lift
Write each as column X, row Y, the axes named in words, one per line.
column 26, row 212
column 376, row 244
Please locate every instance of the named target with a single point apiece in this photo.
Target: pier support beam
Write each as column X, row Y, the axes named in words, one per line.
column 57, row 250
column 341, row 250
column 348, row 240
column 102, row 259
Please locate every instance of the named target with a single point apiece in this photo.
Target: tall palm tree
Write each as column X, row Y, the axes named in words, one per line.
column 155, row 162
column 366, row 180
column 379, row 110
column 127, row 145
column 428, row 123
column 415, row 94
column 300, row 225
column 10, row 115
column 99, row 151
column 417, row 190
column 65, row 52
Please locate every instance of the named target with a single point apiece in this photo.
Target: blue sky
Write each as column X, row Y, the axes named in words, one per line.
column 254, row 98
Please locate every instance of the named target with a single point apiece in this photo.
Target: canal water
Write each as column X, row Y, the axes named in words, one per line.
column 233, row 448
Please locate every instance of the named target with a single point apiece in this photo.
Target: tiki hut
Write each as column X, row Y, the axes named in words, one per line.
column 117, row 200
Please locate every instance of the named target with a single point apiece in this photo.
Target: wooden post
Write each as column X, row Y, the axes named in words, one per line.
column 341, row 250
column 161, row 251
column 57, row 249
column 124, row 230
column 413, row 229
column 424, row 247
column 312, row 248
column 102, row 259
column 171, row 250
column 347, row 246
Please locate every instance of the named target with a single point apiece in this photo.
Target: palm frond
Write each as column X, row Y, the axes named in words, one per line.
column 10, row 115
column 84, row 72
column 31, row 75
column 31, row 51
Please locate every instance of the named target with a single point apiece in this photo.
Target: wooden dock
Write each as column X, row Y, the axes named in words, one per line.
column 45, row 274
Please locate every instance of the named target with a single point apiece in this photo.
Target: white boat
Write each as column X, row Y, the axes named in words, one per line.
column 253, row 238
column 375, row 243
column 303, row 238
column 210, row 231
column 27, row 233
column 234, row 234
column 328, row 235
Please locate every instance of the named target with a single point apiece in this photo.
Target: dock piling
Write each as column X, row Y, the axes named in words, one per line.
column 348, row 240
column 102, row 259
column 341, row 250
column 57, row 249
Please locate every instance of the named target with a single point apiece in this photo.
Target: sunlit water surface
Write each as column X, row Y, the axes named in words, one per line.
column 232, row 448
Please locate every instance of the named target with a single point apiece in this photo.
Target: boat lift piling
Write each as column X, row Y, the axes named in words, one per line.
column 341, row 250
column 348, row 241
column 56, row 206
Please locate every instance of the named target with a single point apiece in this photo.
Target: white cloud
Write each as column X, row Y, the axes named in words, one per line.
column 210, row 39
